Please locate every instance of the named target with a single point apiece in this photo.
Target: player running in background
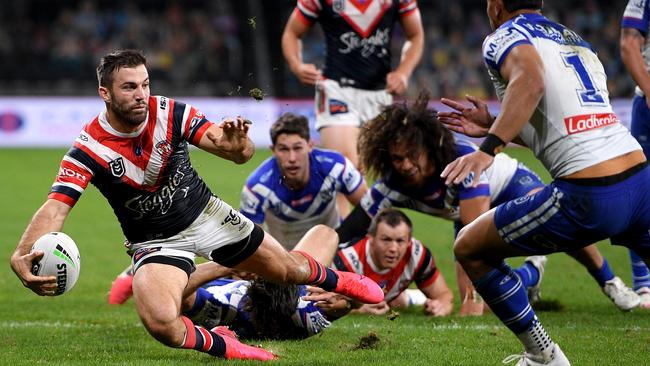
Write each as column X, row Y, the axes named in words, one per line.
column 406, row 147
column 289, row 193
column 635, row 52
column 136, row 153
column 390, row 256
column 553, row 92
column 357, row 80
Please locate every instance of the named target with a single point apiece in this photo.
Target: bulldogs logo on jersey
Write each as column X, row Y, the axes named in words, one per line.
column 117, row 167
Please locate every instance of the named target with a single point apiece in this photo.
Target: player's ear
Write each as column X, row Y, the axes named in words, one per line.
column 104, row 94
column 310, row 144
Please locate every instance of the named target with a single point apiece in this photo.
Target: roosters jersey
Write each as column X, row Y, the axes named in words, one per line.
column 288, row 214
column 434, row 197
column 573, row 127
column 146, row 176
column 637, row 16
column 222, row 302
column 417, row 266
column 358, row 35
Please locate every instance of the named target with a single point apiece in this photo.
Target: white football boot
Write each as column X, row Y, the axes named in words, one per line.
column 644, row 295
column 557, row 359
column 538, row 261
column 622, row 296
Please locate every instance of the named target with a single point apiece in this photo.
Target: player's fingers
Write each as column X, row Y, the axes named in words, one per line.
column 35, row 255
column 449, row 168
column 475, row 101
column 450, row 121
column 452, row 104
column 464, row 172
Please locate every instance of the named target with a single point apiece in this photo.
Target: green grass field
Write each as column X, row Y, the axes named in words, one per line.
column 80, row 328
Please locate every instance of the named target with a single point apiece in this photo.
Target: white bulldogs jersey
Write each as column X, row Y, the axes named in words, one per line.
column 573, row 127
column 636, row 16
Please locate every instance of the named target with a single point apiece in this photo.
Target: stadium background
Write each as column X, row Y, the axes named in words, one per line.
column 212, row 53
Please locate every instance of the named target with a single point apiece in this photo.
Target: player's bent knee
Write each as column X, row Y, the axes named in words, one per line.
column 463, row 248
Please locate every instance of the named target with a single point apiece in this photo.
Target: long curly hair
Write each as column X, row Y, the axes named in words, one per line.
column 416, row 125
column 271, row 307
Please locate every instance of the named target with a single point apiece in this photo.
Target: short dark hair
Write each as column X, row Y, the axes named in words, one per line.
column 514, row 5
column 290, row 123
column 114, row 61
column 392, row 217
column 271, row 307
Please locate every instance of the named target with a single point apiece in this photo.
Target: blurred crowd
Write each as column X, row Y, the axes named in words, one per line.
column 225, row 47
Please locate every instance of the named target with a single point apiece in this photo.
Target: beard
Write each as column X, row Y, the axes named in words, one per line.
column 127, row 114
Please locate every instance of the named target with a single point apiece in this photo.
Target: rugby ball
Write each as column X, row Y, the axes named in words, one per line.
column 61, row 260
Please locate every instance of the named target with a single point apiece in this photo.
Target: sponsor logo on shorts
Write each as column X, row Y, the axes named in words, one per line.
column 144, row 251
column 586, row 122
column 232, row 218
column 337, row 106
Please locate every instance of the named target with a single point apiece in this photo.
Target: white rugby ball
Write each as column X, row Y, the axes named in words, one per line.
column 61, row 260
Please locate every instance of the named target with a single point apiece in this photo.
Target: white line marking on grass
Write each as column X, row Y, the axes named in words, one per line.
column 483, row 327
column 33, row 324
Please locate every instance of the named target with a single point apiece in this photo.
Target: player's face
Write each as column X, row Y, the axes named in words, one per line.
column 413, row 166
column 129, row 94
column 389, row 244
column 292, row 153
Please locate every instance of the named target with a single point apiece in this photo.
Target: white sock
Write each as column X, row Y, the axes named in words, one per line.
column 537, row 342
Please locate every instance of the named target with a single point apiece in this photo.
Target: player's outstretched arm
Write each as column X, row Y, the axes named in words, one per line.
column 474, row 121
column 229, row 140
column 440, row 300
column 397, row 80
column 294, row 30
column 631, row 43
column 49, row 217
column 333, row 304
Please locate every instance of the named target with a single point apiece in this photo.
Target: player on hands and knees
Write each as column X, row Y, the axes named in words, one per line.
column 136, row 153
column 553, row 94
column 390, row 256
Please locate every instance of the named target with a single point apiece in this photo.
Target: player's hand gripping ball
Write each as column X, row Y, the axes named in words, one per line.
column 61, row 260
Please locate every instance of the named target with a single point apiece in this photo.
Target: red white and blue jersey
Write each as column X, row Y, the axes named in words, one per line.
column 417, row 265
column 289, row 214
column 358, row 34
column 434, row 197
column 637, row 16
column 146, row 176
column 223, row 302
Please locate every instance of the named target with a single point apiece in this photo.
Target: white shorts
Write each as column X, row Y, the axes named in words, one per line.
column 218, row 225
column 347, row 106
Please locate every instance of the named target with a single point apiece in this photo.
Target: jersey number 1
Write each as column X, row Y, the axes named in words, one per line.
column 589, row 94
